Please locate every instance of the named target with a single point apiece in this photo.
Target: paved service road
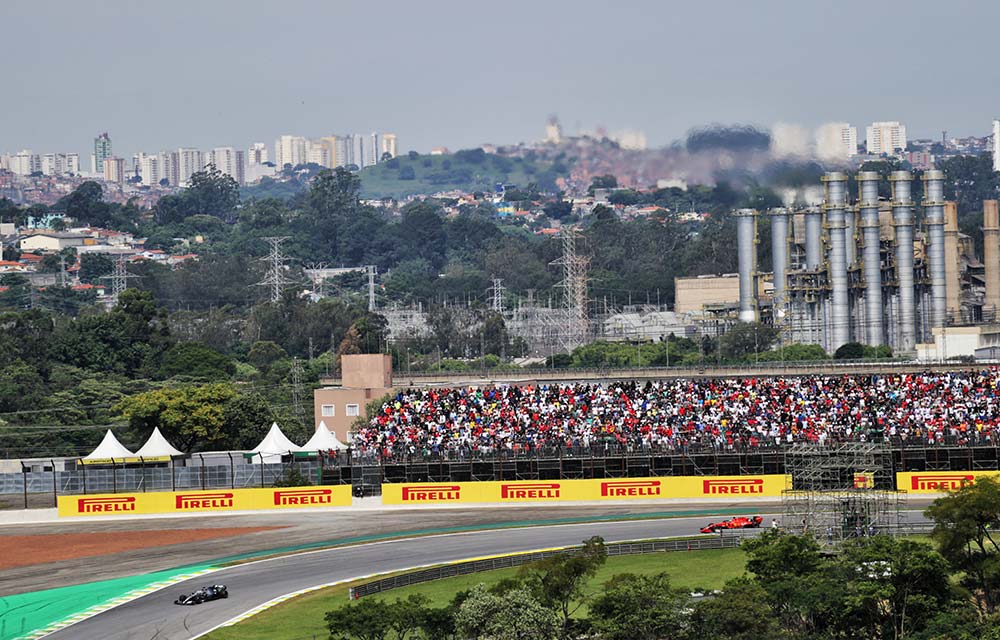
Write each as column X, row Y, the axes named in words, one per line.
column 156, row 617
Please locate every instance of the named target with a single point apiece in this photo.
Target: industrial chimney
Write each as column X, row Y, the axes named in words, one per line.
column 991, row 256
column 934, row 217
column 953, row 289
column 836, row 201
column 814, row 230
column 746, row 246
column 779, row 258
column 902, row 220
column 871, row 260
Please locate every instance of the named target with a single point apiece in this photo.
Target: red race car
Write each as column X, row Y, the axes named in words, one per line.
column 739, row 522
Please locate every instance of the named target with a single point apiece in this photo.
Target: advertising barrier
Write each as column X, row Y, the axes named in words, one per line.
column 585, row 490
column 938, row 481
column 202, row 501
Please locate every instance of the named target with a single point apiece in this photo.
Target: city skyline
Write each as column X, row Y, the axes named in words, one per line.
column 430, row 72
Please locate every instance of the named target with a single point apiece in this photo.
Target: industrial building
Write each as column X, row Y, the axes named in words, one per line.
column 866, row 270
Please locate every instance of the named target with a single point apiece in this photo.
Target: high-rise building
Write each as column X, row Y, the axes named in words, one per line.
column 25, row 162
column 996, row 145
column 229, row 161
column 389, row 144
column 102, row 151
column 359, row 151
column 885, row 137
column 346, row 150
column 317, row 152
column 187, row 163
column 58, row 164
column 553, row 131
column 334, row 149
column 114, row 169
column 836, row 141
column 151, row 169
column 289, row 150
column 373, row 153
column 257, row 154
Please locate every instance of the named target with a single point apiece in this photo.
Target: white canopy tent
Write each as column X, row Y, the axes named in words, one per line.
column 157, row 447
column 323, row 440
column 109, row 449
column 274, row 445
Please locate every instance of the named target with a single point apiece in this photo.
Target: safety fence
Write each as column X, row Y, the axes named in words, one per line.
column 42, row 488
column 728, row 541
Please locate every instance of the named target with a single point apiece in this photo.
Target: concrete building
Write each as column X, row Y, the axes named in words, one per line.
column 114, row 169
column 60, row 164
column 289, row 150
column 836, row 141
column 229, row 161
column 52, row 241
column 257, row 154
column 319, row 152
column 102, row 151
column 151, row 168
column 25, row 162
column 389, row 144
column 373, row 148
column 185, row 163
column 885, row 137
column 364, row 377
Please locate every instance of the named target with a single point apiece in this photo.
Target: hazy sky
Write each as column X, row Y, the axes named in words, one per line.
column 205, row 73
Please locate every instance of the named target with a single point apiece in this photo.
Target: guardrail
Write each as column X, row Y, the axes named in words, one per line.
column 729, row 541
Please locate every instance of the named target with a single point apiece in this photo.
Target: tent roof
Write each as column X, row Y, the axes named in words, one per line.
column 275, row 442
column 157, row 446
column 109, row 448
column 323, row 440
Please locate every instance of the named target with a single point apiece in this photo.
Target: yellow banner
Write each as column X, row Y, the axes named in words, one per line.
column 202, row 501
column 585, row 490
column 938, row 481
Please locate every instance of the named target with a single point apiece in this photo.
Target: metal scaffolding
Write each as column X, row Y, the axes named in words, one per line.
column 841, row 491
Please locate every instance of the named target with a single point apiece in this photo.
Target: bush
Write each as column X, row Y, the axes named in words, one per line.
column 850, row 351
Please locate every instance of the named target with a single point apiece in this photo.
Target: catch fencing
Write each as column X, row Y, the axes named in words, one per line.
column 33, row 489
column 730, row 540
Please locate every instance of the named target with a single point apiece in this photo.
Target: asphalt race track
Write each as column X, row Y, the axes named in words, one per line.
column 156, row 617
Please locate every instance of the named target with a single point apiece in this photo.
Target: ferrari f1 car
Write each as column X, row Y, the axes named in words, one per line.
column 739, row 522
column 205, row 594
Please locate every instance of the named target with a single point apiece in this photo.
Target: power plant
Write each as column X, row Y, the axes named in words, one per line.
column 861, row 268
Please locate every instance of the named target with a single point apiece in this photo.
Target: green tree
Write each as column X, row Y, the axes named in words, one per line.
column 408, row 615
column 745, row 339
column 94, row 266
column 195, row 360
column 213, row 193
column 740, row 612
column 516, row 615
column 365, row 619
column 264, row 353
column 635, row 607
column 246, row 417
column 965, row 525
column 850, row 351
column 558, row 582
column 191, row 417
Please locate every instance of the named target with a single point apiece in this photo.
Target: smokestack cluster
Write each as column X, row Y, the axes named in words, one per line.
column 823, row 301
column 991, row 255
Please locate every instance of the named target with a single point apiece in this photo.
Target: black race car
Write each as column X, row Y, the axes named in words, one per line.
column 211, row 592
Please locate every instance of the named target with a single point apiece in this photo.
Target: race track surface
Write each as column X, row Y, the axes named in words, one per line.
column 155, row 616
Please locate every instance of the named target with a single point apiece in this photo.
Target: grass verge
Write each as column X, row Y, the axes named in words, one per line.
column 302, row 618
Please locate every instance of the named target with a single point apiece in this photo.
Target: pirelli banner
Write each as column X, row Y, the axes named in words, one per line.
column 938, row 481
column 204, row 501
column 624, row 489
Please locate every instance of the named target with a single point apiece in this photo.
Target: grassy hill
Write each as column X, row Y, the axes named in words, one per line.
column 471, row 170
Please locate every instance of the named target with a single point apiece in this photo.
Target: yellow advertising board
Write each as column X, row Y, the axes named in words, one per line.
column 938, row 481
column 580, row 490
column 203, row 501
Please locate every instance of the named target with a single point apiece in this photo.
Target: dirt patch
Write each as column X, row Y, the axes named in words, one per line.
column 22, row 551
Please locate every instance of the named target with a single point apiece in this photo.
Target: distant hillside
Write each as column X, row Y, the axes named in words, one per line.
column 471, row 170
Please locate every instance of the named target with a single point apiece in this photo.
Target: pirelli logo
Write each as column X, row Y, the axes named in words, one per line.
column 303, row 497
column 436, row 493
column 940, row 482
column 537, row 491
column 105, row 505
column 188, row 501
column 630, row 488
column 747, row 486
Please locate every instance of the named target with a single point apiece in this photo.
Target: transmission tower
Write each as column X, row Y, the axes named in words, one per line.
column 498, row 290
column 275, row 278
column 62, row 271
column 574, row 284
column 119, row 277
column 371, row 271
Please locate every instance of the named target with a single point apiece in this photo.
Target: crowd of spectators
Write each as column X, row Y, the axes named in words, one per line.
column 730, row 414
